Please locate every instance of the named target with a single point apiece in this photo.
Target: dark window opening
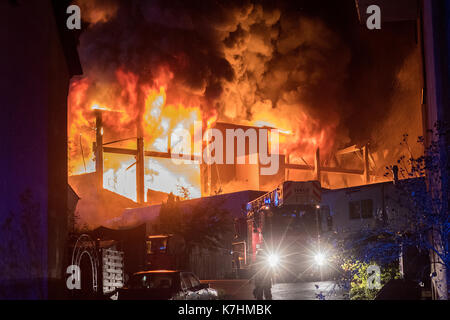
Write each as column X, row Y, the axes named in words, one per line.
column 367, row 209
column 361, row 209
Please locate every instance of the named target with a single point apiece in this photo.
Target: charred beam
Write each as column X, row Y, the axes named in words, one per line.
column 130, row 152
column 325, row 169
column 351, row 149
column 317, row 168
column 153, row 154
column 366, row 164
column 98, row 148
column 140, row 170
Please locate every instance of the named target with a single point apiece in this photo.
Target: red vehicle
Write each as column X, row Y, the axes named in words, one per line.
column 286, row 224
column 165, row 252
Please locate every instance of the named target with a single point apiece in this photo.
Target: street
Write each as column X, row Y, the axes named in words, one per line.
column 243, row 290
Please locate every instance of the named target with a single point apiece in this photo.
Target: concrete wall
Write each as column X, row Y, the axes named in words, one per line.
column 436, row 44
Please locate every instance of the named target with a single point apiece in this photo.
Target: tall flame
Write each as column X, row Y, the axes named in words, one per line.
column 132, row 107
column 121, row 118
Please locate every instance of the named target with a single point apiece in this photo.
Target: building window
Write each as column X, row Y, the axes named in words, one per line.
column 362, row 209
column 355, row 209
column 157, row 245
column 367, row 209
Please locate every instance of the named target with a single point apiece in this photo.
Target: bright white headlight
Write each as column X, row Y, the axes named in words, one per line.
column 319, row 258
column 273, row 260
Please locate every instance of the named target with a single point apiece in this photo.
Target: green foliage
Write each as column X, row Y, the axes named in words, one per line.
column 427, row 224
column 357, row 272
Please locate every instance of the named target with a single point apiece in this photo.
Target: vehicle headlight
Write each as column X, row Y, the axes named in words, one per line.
column 319, row 258
column 273, row 260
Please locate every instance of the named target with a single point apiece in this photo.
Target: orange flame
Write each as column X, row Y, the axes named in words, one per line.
column 121, row 118
column 131, row 108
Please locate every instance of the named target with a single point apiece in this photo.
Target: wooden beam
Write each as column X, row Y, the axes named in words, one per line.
column 116, row 141
column 298, row 167
column 153, row 154
column 350, row 149
column 98, row 148
column 286, row 163
column 130, row 152
column 317, row 173
column 157, row 154
column 167, row 155
column 366, row 164
column 325, row 169
column 140, row 170
column 342, row 170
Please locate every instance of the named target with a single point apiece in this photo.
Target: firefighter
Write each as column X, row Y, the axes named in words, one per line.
column 262, row 277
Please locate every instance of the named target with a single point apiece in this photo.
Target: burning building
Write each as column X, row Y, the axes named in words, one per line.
column 286, row 66
column 342, row 98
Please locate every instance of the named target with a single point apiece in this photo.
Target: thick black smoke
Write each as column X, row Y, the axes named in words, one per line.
column 259, row 60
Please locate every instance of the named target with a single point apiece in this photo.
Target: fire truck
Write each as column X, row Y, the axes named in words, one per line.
column 285, row 224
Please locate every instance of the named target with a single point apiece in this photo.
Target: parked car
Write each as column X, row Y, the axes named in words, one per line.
column 166, row 285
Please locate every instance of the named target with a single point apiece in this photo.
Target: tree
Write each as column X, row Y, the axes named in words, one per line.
column 426, row 190
column 201, row 225
column 424, row 221
column 357, row 273
column 356, row 252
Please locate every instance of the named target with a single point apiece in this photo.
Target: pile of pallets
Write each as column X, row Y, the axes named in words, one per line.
column 113, row 276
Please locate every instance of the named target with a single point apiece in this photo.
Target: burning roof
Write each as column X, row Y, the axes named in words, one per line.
column 157, row 67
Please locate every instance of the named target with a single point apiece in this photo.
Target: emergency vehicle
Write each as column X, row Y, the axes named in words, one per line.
column 285, row 223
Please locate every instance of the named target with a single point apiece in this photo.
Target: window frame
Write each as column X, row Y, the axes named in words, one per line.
column 360, row 207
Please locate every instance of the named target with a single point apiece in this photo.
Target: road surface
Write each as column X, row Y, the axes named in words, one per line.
column 243, row 290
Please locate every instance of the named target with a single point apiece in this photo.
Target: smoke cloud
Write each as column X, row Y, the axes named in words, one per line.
column 310, row 70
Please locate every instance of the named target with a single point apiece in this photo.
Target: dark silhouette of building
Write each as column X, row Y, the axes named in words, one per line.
column 38, row 59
